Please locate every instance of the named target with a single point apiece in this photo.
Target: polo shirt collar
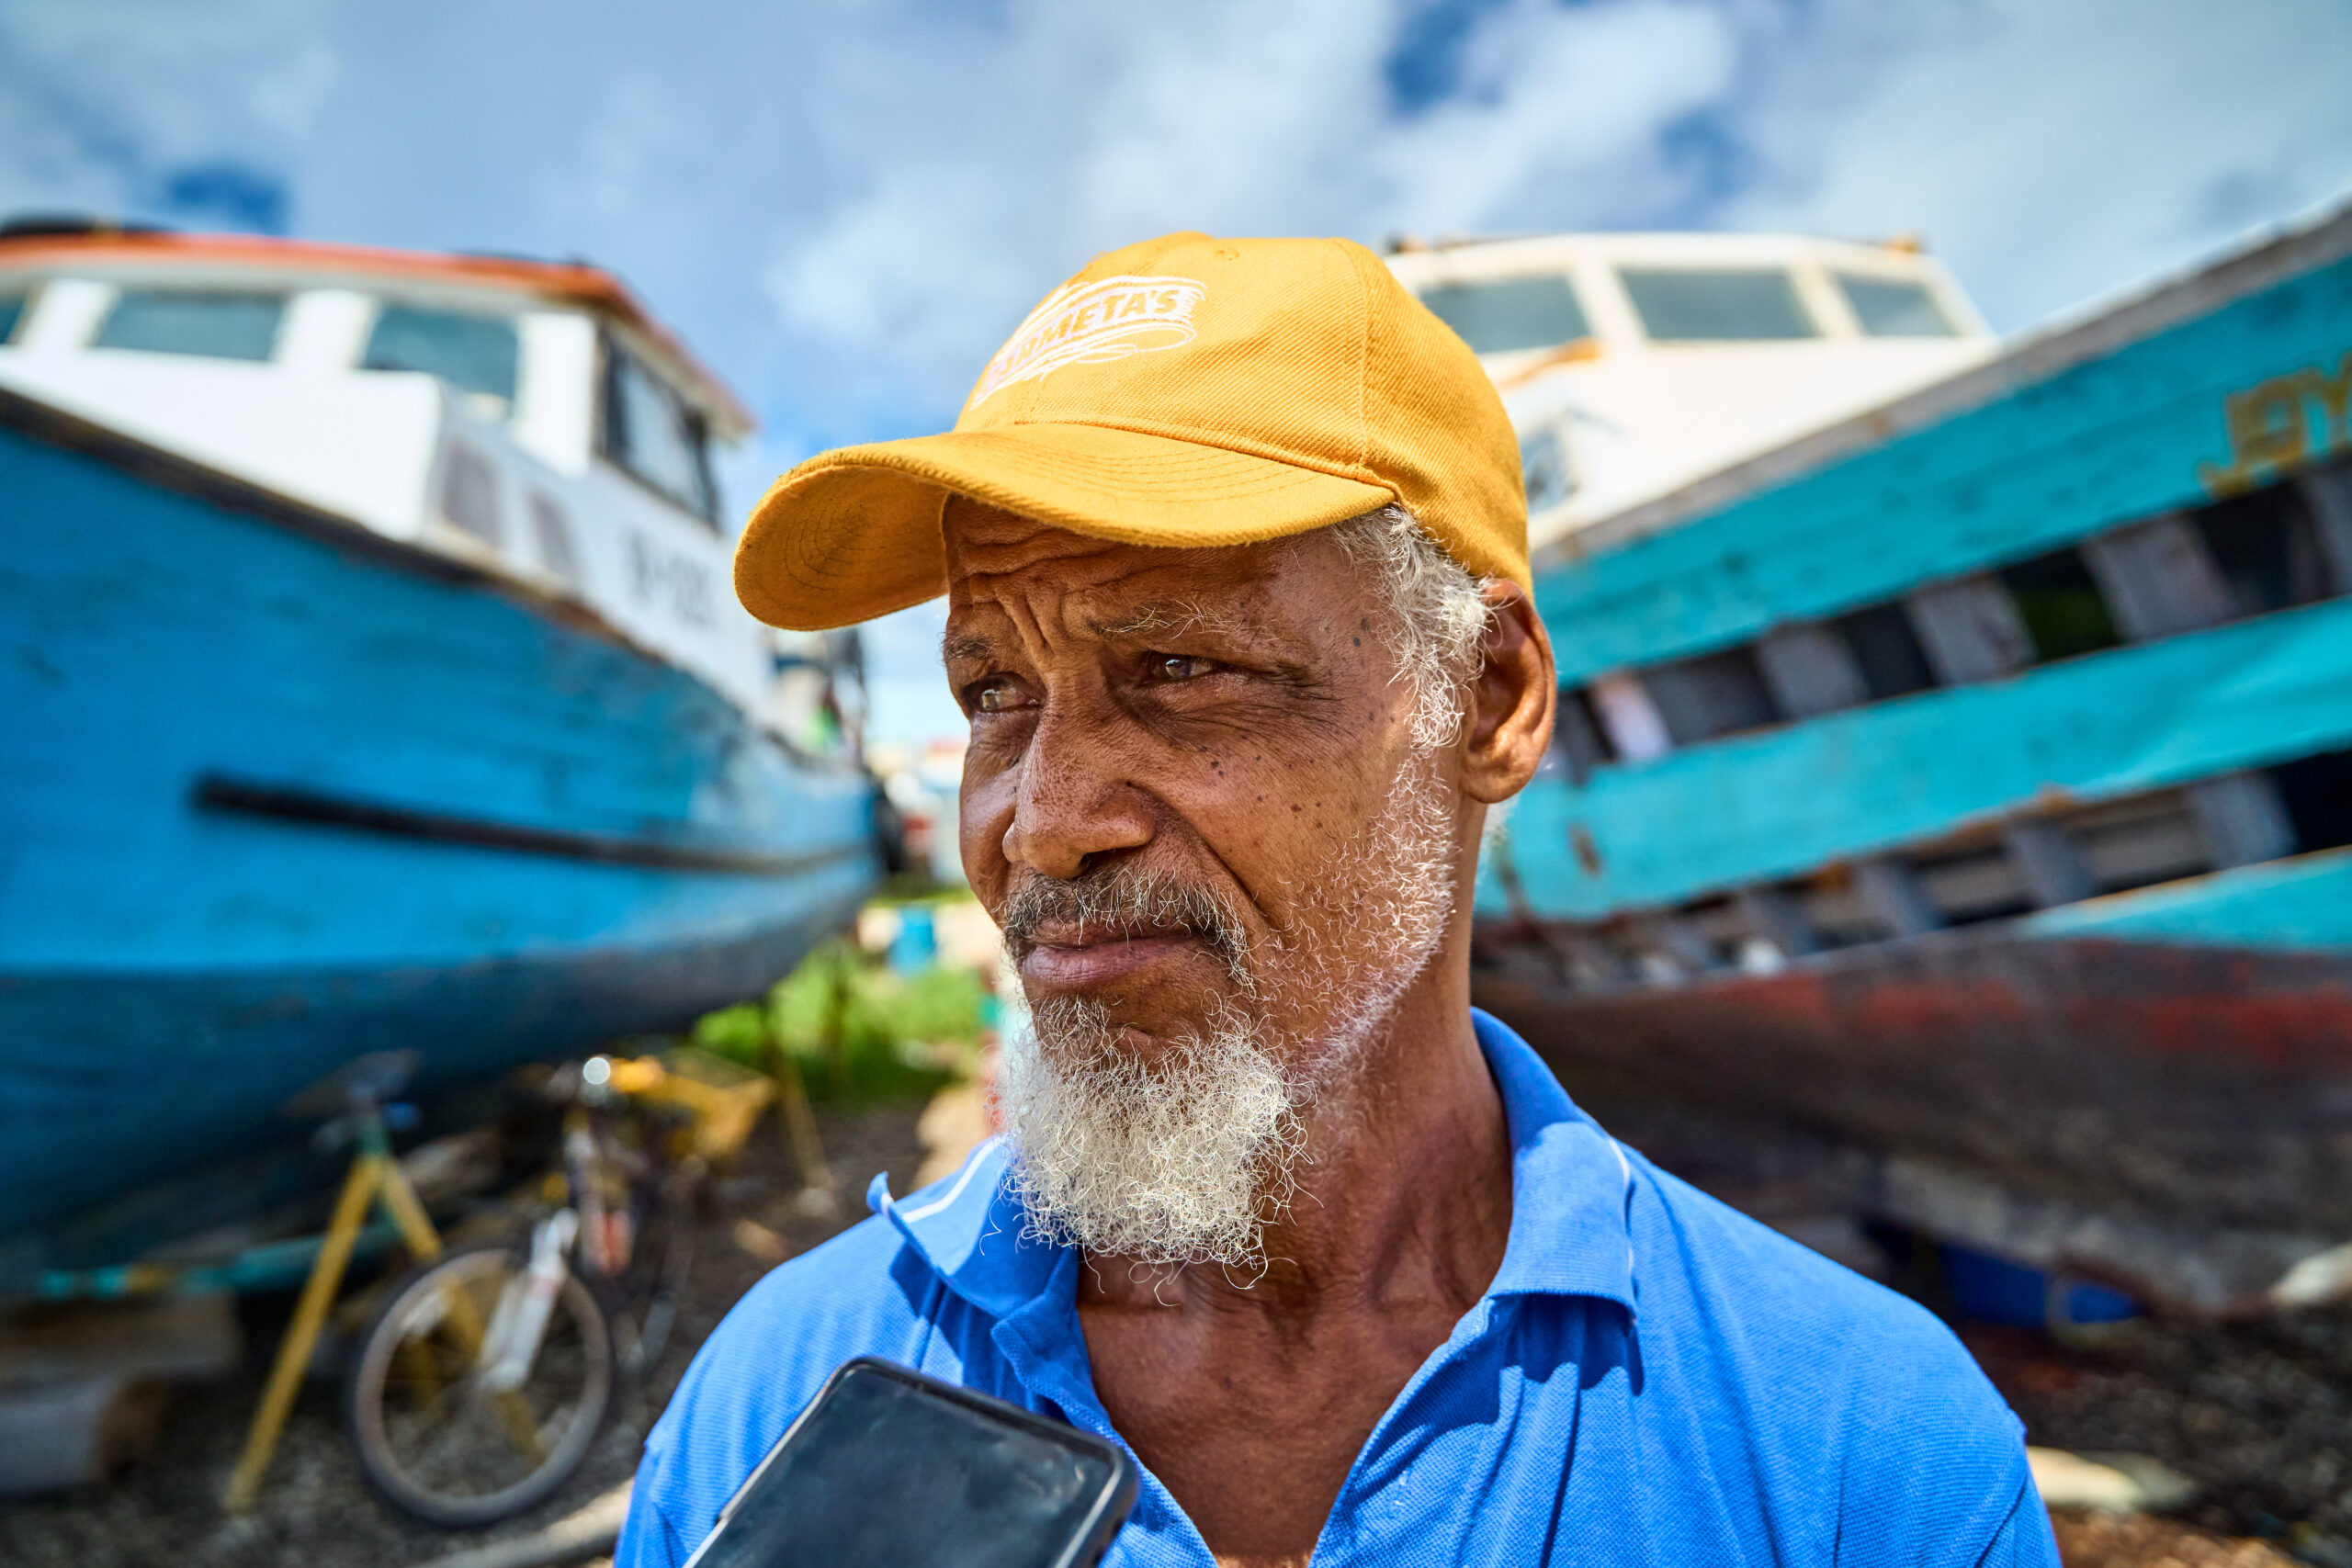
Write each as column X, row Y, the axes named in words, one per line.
column 972, row 1231
column 1570, row 1189
column 1571, row 1186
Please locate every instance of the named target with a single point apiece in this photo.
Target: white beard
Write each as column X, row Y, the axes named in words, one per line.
column 1188, row 1156
column 1173, row 1160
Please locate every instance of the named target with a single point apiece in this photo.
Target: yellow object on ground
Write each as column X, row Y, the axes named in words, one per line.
column 2113, row 1483
column 723, row 1100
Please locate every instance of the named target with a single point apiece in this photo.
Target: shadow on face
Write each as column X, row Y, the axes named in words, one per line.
column 1180, row 760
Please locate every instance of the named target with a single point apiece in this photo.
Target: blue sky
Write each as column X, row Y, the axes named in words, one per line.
column 845, row 206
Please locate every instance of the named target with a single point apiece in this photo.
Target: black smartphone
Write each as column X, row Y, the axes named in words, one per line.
column 890, row 1469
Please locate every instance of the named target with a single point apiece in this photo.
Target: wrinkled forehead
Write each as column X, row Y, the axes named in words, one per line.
column 1004, row 567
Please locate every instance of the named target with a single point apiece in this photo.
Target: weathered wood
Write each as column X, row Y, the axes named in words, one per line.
column 1577, row 737
column 1682, row 942
column 1771, row 914
column 82, row 1387
column 2054, row 868
column 1594, row 961
column 2158, row 578
column 1886, row 648
column 591, row 1530
column 1891, row 891
column 168, row 1337
column 2034, row 466
column 2142, row 718
column 1636, row 728
column 1810, row 670
column 1703, row 698
column 2328, row 494
column 77, row 1432
column 1969, row 630
column 2241, row 819
column 1971, row 883
column 2145, row 839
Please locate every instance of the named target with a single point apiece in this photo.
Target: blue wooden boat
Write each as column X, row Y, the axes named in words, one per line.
column 371, row 681
column 1971, row 778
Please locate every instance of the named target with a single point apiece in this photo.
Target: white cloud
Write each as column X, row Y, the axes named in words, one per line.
column 1562, row 118
column 1231, row 117
column 844, row 206
column 2056, row 153
column 106, row 104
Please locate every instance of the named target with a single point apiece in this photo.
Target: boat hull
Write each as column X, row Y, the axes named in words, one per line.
column 2208, row 1085
column 276, row 793
column 1972, row 781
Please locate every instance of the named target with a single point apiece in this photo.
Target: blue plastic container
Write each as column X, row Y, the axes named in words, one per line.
column 917, row 944
column 1994, row 1290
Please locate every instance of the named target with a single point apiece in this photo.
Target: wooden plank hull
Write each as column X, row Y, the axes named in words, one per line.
column 274, row 794
column 1973, row 781
column 2208, row 1085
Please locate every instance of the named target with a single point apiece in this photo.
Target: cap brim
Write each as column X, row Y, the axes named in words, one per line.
column 855, row 533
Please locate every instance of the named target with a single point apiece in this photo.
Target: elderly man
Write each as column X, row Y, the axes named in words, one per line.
column 1234, row 550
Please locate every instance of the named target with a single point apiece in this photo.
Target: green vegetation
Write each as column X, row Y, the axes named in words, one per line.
column 860, row 1033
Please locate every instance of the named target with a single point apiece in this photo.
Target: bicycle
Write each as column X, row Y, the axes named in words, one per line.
column 482, row 1383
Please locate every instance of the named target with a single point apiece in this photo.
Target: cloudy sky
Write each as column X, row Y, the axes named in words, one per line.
column 844, row 206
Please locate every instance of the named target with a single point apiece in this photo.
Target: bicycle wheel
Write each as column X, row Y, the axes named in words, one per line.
column 432, row 1437
column 641, row 1302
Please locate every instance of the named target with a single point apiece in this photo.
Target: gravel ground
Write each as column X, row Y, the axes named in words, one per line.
column 2096, row 1540
column 2258, row 1414
column 315, row 1512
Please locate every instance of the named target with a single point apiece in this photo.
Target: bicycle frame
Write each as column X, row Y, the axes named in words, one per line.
column 519, row 1322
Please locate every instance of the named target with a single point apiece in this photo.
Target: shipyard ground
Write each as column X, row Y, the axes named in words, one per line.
column 2258, row 1414
column 315, row 1512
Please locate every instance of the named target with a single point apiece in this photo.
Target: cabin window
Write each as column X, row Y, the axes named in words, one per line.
column 12, row 312
column 474, row 354
column 2058, row 601
column 1717, row 305
column 1895, row 307
column 212, row 324
column 1516, row 313
column 649, row 431
column 1543, row 470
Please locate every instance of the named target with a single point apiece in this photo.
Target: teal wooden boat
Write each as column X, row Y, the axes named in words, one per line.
column 1971, row 777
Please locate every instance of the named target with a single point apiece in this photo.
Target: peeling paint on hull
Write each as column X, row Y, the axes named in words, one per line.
column 2212, row 1085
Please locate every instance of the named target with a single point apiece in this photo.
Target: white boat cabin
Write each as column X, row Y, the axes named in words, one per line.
column 1633, row 364
column 529, row 418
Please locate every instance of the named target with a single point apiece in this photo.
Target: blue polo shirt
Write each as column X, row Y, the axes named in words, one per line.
column 1652, row 1378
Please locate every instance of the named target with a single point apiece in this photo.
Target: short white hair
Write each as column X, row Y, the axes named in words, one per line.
column 1438, row 614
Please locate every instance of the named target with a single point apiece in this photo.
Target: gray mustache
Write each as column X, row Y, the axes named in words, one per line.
column 1123, row 901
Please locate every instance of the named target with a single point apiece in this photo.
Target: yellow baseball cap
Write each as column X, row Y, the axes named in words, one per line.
column 1186, row 392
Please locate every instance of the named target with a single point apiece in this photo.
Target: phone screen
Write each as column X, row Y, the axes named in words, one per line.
column 895, row 1470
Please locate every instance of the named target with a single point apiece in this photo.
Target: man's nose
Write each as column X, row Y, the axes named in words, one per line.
column 1078, row 800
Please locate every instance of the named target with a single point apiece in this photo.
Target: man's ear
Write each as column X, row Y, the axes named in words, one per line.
column 1511, row 700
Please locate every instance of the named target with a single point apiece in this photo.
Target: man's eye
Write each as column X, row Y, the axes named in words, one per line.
column 1179, row 666
column 995, row 696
